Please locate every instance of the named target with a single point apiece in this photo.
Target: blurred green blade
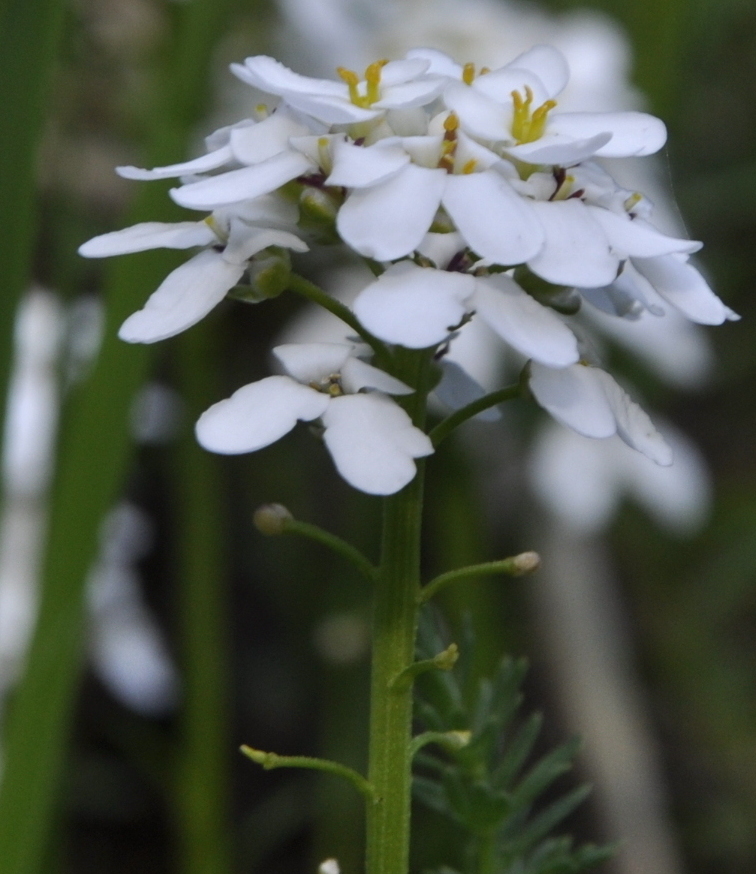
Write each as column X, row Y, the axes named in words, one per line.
column 29, row 36
column 94, row 447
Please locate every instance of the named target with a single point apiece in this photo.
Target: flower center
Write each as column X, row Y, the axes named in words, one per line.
column 371, row 92
column 449, row 148
column 329, row 385
column 528, row 125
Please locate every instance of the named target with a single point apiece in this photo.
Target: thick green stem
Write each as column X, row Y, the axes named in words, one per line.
column 394, row 630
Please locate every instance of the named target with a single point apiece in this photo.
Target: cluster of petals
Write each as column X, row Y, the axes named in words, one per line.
column 459, row 181
column 371, row 439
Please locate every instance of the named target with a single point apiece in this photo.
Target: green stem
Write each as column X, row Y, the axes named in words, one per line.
column 314, row 293
column 516, row 566
column 447, row 425
column 394, row 629
column 273, row 760
column 334, row 543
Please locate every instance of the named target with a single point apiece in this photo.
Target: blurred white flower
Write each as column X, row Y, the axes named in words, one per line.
column 583, row 481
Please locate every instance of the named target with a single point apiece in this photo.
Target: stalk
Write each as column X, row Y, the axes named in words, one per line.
column 394, row 630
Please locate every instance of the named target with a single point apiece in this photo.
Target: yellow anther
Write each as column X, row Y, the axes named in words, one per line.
column 468, row 73
column 216, row 228
column 469, row 166
column 632, row 201
column 565, row 188
column 451, row 123
column 529, row 126
column 484, row 70
column 335, row 390
column 352, row 80
column 324, row 155
column 262, row 111
column 373, row 79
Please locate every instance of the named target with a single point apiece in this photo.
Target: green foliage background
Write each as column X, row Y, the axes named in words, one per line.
column 89, row 786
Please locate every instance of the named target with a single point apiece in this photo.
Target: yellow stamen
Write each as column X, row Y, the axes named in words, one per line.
column 632, row 201
column 469, row 166
column 529, row 126
column 373, row 79
column 468, row 73
column 216, row 228
column 352, row 80
column 484, row 70
column 451, row 123
column 324, row 155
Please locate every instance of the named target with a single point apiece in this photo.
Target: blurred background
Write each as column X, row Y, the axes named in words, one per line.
column 147, row 630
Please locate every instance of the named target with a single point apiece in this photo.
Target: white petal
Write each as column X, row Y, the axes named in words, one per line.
column 373, row 442
column 149, row 235
column 311, row 362
column 211, row 161
column 414, row 306
column 258, row 142
column 361, row 166
column 479, row 114
column 532, row 329
column 548, row 64
column 555, row 148
column 634, row 237
column 402, row 71
column 633, row 424
column 272, row 76
column 633, row 133
column 418, row 93
column 183, row 298
column 683, row 286
column 440, row 63
column 245, row 241
column 389, row 220
column 357, row 374
column 496, row 222
column 576, row 251
column 574, row 396
column 258, row 414
column 244, row 184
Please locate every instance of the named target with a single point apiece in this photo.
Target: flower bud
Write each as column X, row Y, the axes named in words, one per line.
column 330, row 866
column 270, row 519
column 525, row 563
column 269, row 274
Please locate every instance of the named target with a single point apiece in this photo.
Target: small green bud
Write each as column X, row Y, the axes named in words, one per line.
column 318, row 206
column 270, row 519
column 457, row 740
column 269, row 273
column 317, row 214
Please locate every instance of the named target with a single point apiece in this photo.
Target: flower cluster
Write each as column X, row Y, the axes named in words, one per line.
column 471, row 195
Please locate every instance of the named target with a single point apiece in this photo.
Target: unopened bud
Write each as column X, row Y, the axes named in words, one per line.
column 270, row 519
column 330, row 866
column 525, row 563
column 317, row 213
column 269, row 274
column 457, row 740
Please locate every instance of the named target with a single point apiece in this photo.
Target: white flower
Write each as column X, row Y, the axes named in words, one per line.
column 513, row 107
column 420, row 307
column 387, row 85
column 588, row 400
column 190, row 291
column 371, row 439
